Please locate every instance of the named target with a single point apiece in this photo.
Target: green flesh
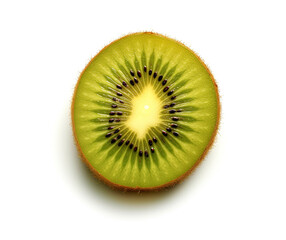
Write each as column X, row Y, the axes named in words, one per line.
column 195, row 93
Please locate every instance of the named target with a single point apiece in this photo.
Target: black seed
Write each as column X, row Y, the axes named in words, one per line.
column 113, row 140
column 114, row 106
column 140, row 153
column 139, row 74
column 131, row 146
column 150, row 72
column 132, row 73
column 154, row 139
column 165, row 89
column 109, row 128
column 131, row 82
column 155, row 74
column 117, row 130
column 172, row 111
column 180, row 110
column 108, row 135
column 172, row 104
column 111, row 113
column 175, row 118
column 150, row 142
column 160, row 78
column 164, row 82
column 121, row 101
column 176, row 134
column 152, row 150
column 169, row 129
column 146, row 154
column 145, row 68
column 121, row 142
column 119, row 113
column 111, row 120
column 164, row 133
column 118, row 86
column 124, row 84
column 127, row 142
column 119, row 94
column 119, row 136
column 117, row 120
column 136, row 80
column 135, row 148
column 173, row 98
column 170, row 93
column 114, row 99
column 166, row 106
column 173, row 125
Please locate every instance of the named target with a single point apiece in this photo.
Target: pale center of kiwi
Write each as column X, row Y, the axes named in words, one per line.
column 145, row 112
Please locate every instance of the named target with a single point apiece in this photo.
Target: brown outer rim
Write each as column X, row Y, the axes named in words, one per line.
column 168, row 184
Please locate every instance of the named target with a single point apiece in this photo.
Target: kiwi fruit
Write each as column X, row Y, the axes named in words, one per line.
column 145, row 111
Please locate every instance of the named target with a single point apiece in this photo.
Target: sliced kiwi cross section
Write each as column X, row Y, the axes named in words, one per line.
column 145, row 111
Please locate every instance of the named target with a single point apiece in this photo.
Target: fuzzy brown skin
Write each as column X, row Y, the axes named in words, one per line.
column 168, row 184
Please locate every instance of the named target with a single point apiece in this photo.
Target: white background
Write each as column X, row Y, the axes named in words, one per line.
column 238, row 191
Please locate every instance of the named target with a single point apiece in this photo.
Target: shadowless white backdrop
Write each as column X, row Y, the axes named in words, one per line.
column 238, row 191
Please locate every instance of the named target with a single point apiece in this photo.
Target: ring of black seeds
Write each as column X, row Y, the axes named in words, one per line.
column 119, row 113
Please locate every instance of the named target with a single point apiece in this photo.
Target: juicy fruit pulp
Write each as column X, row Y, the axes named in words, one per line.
column 145, row 111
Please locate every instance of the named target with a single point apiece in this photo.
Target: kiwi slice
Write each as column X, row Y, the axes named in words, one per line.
column 145, row 111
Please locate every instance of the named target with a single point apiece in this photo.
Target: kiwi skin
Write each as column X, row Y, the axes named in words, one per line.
column 168, row 184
